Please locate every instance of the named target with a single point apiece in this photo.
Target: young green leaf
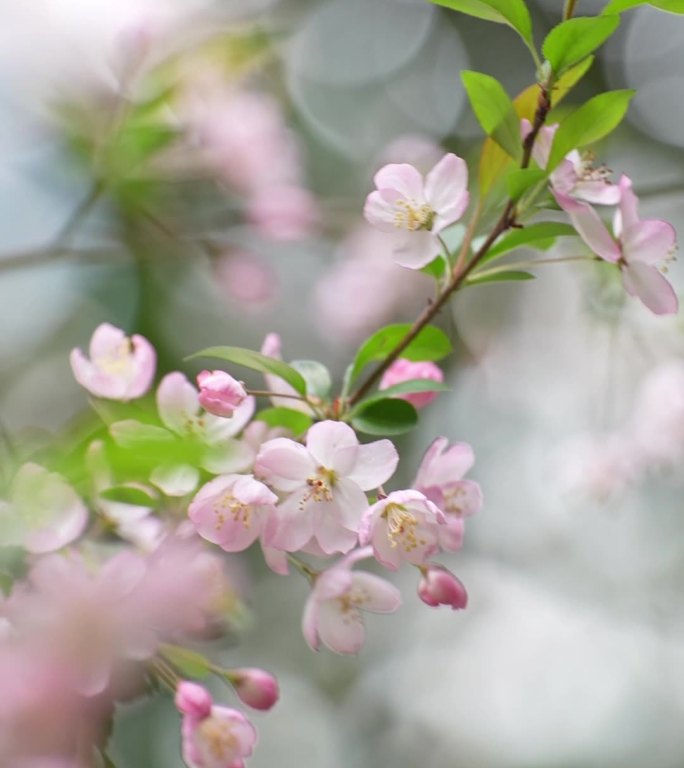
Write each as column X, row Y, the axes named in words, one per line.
column 316, row 375
column 496, row 277
column 404, row 388
column 542, row 231
column 595, row 119
column 430, row 344
column 521, row 180
column 296, row 421
column 514, row 13
column 388, row 416
column 494, row 110
column 575, row 39
column 188, row 663
column 128, row 494
column 671, row 6
column 257, row 362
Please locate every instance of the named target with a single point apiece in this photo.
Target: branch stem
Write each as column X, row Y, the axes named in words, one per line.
column 569, row 9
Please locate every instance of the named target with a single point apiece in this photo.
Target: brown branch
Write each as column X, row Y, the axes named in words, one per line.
column 506, row 220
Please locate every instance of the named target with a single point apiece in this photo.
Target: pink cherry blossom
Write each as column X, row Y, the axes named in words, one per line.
column 637, row 246
column 402, row 527
column 325, row 480
column 255, row 687
column 246, row 278
column 438, row 586
column 232, row 510
column 440, row 479
column 43, row 514
column 576, row 175
column 119, row 368
column 213, row 736
column 219, row 393
column 283, row 212
column 420, row 207
column 403, row 370
column 332, row 614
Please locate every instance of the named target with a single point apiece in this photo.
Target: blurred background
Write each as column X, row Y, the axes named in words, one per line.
column 195, row 171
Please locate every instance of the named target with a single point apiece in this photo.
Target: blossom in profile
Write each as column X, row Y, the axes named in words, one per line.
column 333, row 612
column 638, row 246
column 403, row 527
column 255, row 687
column 438, row 586
column 219, row 392
column 420, row 208
column 119, row 368
column 213, row 736
column 326, row 481
column 232, row 511
column 403, row 370
column 576, row 175
column 43, row 513
column 441, row 477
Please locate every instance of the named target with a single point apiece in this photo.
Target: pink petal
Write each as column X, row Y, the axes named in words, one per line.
column 276, row 560
column 590, row 227
column 350, row 503
column 292, row 525
column 145, row 357
column 629, row 203
column 598, row 192
column 177, row 401
column 105, row 341
column 451, row 533
column 94, row 380
column 330, row 534
column 446, row 190
column 401, row 177
column 650, row 241
column 380, row 211
column 379, row 595
column 648, row 284
column 543, row 142
column 340, row 628
column 333, row 445
column 417, row 249
column 284, row 464
column 375, row 463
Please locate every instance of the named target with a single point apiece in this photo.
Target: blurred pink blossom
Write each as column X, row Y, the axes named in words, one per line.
column 119, row 368
column 43, row 514
column 246, row 278
column 403, row 370
column 283, row 212
column 332, row 614
column 420, row 208
column 255, row 687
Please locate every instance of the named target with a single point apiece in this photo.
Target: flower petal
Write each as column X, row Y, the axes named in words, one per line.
column 403, row 178
column 417, row 249
column 284, row 464
column 590, row 227
column 650, row 241
column 650, row 286
column 379, row 595
column 340, row 627
column 380, row 211
column 177, row 401
column 375, row 464
column 446, row 190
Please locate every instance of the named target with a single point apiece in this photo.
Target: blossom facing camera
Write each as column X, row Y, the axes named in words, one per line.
column 255, row 687
column 439, row 586
column 220, row 393
column 420, row 208
column 403, row 370
column 213, row 736
column 119, row 368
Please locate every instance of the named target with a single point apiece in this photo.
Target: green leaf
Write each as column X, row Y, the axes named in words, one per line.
column 436, row 268
column 496, row 277
column 573, row 40
column 430, row 344
column 514, row 13
column 296, row 421
column 130, row 494
column 494, row 110
column 542, row 231
column 188, row 663
column 316, row 375
column 257, row 362
column 405, row 388
column 671, row 6
column 388, row 416
column 592, row 121
column 520, row 180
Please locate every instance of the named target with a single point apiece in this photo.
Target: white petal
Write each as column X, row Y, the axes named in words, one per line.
column 375, row 464
column 333, row 445
column 379, row 596
column 177, row 401
column 446, row 189
column 647, row 284
column 340, row 629
column 402, row 178
column 417, row 249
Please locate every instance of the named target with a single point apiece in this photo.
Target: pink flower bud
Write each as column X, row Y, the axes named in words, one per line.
column 403, row 370
column 220, row 393
column 193, row 700
column 438, row 586
column 255, row 687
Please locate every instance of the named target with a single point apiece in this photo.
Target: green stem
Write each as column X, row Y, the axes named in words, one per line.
column 302, row 567
column 529, row 265
column 569, row 9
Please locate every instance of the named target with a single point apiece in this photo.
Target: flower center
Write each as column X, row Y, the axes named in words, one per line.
column 228, row 507
column 587, row 170
column 320, row 486
column 412, row 215
column 218, row 739
column 402, row 528
column 452, row 497
column 117, row 361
